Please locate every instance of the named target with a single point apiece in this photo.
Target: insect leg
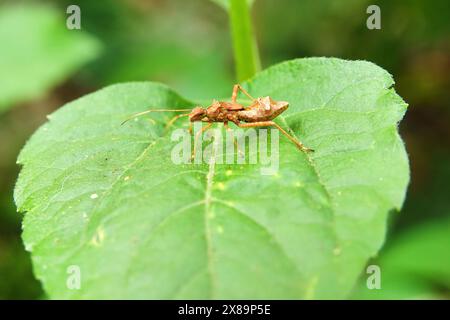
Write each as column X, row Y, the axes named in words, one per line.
column 270, row 124
column 172, row 121
column 203, row 129
column 225, row 124
column 238, row 88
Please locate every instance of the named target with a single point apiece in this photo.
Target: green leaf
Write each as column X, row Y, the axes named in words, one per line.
column 226, row 3
column 416, row 265
column 38, row 52
column 108, row 198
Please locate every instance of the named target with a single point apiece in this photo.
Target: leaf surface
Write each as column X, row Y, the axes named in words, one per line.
column 108, row 198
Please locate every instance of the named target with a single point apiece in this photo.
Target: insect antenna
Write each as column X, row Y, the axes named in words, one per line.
column 153, row 110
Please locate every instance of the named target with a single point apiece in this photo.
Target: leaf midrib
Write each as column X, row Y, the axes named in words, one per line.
column 207, row 212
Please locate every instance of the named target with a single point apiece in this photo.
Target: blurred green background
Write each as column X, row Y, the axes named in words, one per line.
column 187, row 45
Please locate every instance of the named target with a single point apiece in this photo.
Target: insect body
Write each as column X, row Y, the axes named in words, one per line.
column 259, row 114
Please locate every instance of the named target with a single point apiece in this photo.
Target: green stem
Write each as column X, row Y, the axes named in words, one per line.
column 245, row 49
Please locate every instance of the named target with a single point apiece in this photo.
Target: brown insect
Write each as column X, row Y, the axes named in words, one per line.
column 259, row 114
